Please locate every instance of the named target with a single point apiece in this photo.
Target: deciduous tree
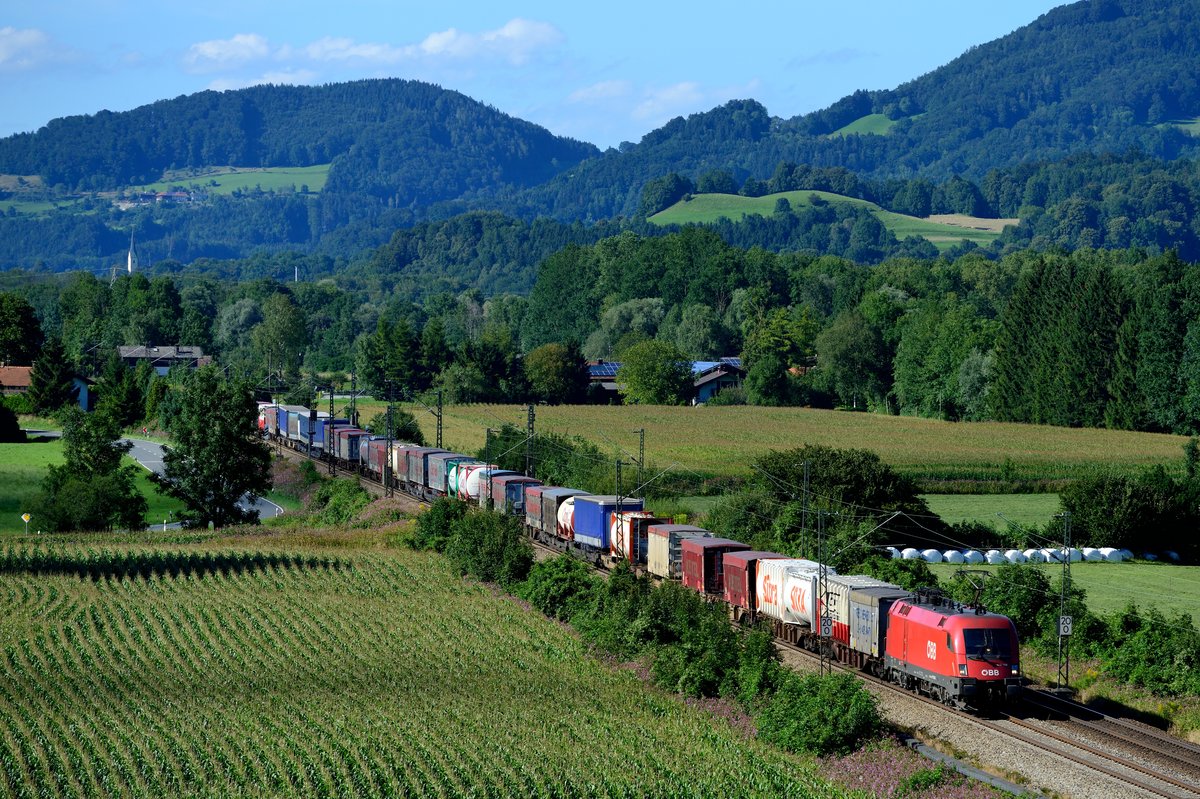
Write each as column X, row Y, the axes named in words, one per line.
column 218, row 456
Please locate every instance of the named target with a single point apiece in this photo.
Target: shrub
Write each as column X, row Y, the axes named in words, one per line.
column 432, row 530
column 339, row 501
column 820, row 714
column 559, row 586
column 490, row 547
column 732, row 395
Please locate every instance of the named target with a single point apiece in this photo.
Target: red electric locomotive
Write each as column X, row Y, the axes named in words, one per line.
column 954, row 654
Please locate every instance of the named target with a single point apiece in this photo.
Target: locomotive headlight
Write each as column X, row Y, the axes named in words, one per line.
column 962, row 669
column 1015, row 671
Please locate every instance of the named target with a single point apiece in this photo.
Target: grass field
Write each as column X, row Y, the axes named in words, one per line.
column 297, row 670
column 22, row 467
column 1022, row 509
column 702, row 208
column 229, row 179
column 872, row 123
column 724, row 441
column 1111, row 586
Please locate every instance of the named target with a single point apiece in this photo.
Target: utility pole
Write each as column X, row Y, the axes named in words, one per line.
column 822, row 605
column 329, row 433
column 529, row 443
column 1065, row 622
column 439, row 419
column 353, row 399
column 487, row 461
column 387, row 453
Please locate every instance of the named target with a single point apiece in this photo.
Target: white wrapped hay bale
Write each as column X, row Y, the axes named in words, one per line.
column 974, row 557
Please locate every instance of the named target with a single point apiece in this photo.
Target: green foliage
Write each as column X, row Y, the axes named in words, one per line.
column 819, row 714
column 728, row 396
column 1150, row 512
column 433, row 527
column 405, row 427
column 20, row 331
column 1158, row 653
column 559, row 587
column 218, row 455
column 908, row 574
column 51, row 383
column 557, row 373
column 490, row 547
column 654, row 373
column 10, row 427
column 339, row 501
column 91, row 490
column 662, row 192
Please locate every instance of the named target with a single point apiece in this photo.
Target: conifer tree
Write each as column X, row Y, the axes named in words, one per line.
column 51, row 383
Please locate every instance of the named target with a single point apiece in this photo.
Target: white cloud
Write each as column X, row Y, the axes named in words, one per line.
column 604, row 90
column 218, row 54
column 669, row 101
column 28, row 48
column 517, row 41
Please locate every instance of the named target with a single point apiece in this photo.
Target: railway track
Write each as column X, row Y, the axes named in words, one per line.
column 330, row 468
column 1138, row 774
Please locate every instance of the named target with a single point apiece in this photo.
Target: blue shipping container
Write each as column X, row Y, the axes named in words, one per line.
column 593, row 518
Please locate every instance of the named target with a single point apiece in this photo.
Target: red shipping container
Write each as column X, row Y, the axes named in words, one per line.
column 741, row 574
column 703, row 563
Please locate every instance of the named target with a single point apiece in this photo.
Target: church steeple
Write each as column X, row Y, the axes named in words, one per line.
column 132, row 258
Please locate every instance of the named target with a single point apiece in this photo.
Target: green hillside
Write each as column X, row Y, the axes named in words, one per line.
column 871, row 123
column 228, row 179
column 704, row 208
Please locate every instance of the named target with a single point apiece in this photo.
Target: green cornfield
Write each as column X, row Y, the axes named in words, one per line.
column 189, row 670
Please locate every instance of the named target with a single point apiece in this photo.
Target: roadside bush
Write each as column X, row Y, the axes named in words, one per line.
column 819, row 714
column 432, row 530
column 339, row 501
column 759, row 670
column 10, row 428
column 490, row 547
column 1157, row 653
column 559, row 586
column 19, row 403
column 618, row 618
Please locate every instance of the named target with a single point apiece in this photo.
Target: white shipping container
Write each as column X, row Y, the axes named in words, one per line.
column 786, row 589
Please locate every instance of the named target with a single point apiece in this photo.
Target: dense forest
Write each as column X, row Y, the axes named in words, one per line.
column 1090, row 338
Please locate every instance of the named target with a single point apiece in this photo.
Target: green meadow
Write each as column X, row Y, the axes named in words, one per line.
column 706, row 208
column 1022, row 509
column 878, row 124
column 22, row 467
column 226, row 180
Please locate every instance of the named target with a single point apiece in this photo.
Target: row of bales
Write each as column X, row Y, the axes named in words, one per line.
column 996, row 556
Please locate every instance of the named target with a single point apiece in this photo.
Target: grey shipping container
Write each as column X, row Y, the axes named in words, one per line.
column 415, row 469
column 868, row 616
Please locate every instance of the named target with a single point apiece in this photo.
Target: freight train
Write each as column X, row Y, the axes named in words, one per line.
column 958, row 655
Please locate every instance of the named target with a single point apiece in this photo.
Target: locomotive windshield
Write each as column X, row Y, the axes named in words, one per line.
column 987, row 644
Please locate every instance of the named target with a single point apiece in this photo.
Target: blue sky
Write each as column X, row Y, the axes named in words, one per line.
column 604, row 73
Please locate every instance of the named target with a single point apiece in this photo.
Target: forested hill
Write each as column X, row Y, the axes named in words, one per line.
column 402, row 141
column 1095, row 76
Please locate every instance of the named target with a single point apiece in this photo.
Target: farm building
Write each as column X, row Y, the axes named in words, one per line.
column 708, row 378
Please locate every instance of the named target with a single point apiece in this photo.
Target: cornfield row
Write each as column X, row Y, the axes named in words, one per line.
column 235, row 673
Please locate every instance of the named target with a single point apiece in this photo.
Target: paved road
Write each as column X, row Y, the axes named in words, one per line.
column 149, row 455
